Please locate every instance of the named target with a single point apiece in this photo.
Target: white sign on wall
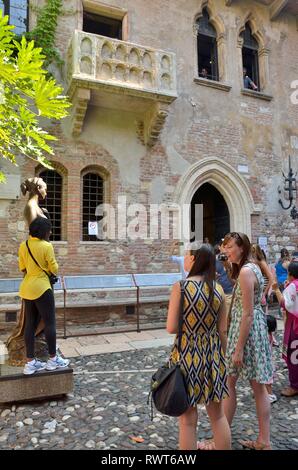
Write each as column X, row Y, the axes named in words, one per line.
column 263, row 241
column 92, row 228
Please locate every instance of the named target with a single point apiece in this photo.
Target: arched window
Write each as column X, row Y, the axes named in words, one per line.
column 207, row 48
column 93, row 196
column 17, row 10
column 53, row 201
column 250, row 57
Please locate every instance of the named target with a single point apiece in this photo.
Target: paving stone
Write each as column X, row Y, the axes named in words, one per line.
column 101, row 415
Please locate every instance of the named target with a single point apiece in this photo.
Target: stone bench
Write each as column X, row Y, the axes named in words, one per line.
column 17, row 387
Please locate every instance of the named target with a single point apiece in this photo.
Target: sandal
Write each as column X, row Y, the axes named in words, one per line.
column 207, row 444
column 255, row 445
column 289, row 392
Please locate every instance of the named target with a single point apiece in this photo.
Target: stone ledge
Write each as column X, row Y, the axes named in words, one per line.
column 19, row 387
column 256, row 94
column 212, row 84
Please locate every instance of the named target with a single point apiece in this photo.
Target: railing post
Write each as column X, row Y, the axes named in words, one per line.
column 138, row 304
column 64, row 307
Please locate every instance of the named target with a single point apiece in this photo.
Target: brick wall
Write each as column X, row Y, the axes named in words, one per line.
column 202, row 122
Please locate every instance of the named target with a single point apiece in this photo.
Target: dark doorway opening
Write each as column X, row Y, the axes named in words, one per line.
column 216, row 217
column 102, row 25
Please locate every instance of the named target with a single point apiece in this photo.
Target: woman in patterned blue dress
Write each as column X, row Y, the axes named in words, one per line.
column 248, row 350
column 202, row 346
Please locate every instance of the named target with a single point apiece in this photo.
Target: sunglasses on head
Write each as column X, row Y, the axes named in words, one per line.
column 235, row 236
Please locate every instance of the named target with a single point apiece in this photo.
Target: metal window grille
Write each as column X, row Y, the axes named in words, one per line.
column 18, row 12
column 93, row 196
column 53, row 201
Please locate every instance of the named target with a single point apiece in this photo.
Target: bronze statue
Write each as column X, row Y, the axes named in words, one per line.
column 37, row 190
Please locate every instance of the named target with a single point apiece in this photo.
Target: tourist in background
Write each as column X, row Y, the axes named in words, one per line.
column 281, row 268
column 288, row 299
column 176, row 258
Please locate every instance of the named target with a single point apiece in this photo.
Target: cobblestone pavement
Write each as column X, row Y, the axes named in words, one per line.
column 109, row 406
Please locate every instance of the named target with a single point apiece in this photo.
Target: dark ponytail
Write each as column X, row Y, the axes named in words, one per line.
column 204, row 265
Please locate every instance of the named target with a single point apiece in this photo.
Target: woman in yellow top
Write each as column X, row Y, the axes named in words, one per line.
column 38, row 294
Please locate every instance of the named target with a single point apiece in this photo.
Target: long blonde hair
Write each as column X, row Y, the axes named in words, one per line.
column 257, row 253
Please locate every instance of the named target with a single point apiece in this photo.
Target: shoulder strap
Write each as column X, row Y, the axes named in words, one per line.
column 229, row 316
column 181, row 311
column 27, row 244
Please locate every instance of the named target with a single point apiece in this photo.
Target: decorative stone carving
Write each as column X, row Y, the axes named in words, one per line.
column 134, row 57
column 120, row 53
column 165, row 63
column 107, row 51
column 120, row 73
column 111, row 66
column 147, row 61
column 134, row 75
column 106, row 71
column 149, row 129
column 110, row 58
column 86, row 65
column 80, row 102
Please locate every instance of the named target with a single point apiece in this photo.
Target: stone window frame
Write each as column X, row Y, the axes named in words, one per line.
column 263, row 57
column 103, row 9
column 105, row 175
column 59, row 168
column 221, row 39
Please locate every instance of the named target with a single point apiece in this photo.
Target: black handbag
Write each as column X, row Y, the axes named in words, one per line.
column 168, row 386
column 52, row 277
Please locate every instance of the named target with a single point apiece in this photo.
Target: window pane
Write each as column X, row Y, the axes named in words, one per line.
column 92, row 197
column 18, row 14
column 207, row 57
column 207, row 48
column 53, row 201
column 248, row 39
column 102, row 25
column 204, row 26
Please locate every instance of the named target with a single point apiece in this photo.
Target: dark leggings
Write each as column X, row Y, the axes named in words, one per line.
column 43, row 307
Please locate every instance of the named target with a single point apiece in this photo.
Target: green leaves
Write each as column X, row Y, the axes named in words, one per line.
column 29, row 60
column 48, row 98
column 26, row 94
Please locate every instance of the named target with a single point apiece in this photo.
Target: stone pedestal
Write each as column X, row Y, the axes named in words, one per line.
column 15, row 386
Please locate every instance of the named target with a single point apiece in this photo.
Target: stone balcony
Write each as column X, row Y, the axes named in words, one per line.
column 116, row 74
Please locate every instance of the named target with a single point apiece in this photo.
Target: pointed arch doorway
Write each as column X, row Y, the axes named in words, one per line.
column 230, row 185
column 216, row 216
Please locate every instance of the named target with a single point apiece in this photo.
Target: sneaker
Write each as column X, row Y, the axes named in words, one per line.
column 272, row 398
column 275, row 343
column 57, row 362
column 34, row 366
